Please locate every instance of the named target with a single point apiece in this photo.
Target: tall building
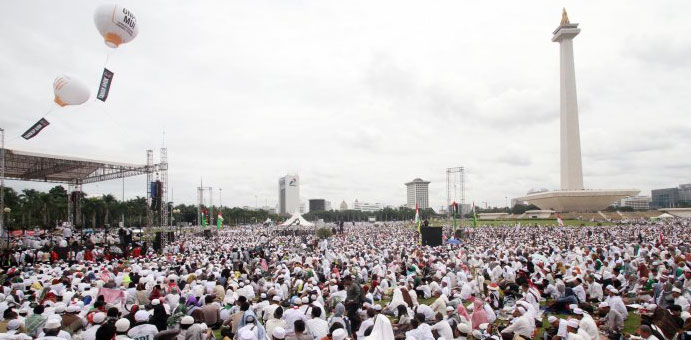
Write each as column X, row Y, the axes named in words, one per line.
column 572, row 196
column 317, row 205
column 288, row 194
column 671, row 197
column 344, row 206
column 418, row 192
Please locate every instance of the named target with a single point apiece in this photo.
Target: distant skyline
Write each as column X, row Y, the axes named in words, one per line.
column 357, row 97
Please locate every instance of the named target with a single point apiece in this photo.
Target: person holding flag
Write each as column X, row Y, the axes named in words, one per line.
column 219, row 221
column 204, row 212
column 474, row 216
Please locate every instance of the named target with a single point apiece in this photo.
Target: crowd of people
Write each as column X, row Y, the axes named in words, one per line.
column 371, row 281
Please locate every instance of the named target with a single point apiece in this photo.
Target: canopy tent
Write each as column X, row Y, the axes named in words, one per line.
column 665, row 215
column 297, row 220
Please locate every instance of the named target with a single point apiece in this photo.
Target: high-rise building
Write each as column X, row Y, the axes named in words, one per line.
column 317, row 205
column 572, row 196
column 344, row 206
column 288, row 194
column 418, row 192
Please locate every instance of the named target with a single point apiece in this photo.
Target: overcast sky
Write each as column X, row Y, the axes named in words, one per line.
column 357, row 97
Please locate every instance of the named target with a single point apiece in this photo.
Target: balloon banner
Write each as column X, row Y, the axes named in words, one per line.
column 35, row 129
column 106, row 80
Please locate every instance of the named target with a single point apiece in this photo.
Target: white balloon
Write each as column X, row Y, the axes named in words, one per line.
column 116, row 24
column 70, row 91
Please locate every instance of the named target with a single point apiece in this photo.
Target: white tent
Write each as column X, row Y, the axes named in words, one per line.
column 297, row 220
column 665, row 215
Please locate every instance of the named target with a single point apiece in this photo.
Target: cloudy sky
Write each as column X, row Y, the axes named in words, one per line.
column 357, row 97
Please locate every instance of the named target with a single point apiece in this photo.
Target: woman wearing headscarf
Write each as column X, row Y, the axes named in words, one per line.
column 339, row 317
column 160, row 318
column 479, row 314
column 462, row 312
column 192, row 304
column 381, row 330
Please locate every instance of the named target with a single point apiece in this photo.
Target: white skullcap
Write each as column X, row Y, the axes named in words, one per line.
column 187, row 320
column 279, row 333
column 99, row 318
column 477, row 334
column 339, row 334
column 13, row 324
column 155, row 302
column 122, row 325
column 52, row 323
column 276, row 298
column 552, row 318
column 141, row 316
column 464, row 328
column 603, row 304
column 578, row 311
column 305, row 300
column 573, row 323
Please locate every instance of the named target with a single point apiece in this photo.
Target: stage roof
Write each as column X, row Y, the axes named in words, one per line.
column 30, row 166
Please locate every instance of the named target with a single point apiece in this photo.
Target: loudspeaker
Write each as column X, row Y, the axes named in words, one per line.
column 171, row 236
column 207, row 233
column 431, row 236
column 157, row 241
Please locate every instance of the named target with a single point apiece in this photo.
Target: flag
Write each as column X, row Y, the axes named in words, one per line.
column 559, row 220
column 219, row 221
column 417, row 223
column 204, row 218
column 474, row 216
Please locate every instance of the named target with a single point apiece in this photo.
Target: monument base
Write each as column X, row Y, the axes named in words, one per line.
column 578, row 200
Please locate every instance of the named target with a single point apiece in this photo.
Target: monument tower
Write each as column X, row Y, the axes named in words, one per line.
column 571, row 168
column 572, row 196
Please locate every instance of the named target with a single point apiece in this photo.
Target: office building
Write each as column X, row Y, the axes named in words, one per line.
column 671, row 197
column 344, row 206
column 317, row 205
column 418, row 193
column 288, row 194
column 366, row 207
column 636, row 202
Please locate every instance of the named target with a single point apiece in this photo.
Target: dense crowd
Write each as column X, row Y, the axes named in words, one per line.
column 367, row 281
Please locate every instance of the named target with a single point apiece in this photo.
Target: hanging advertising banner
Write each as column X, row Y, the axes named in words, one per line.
column 35, row 129
column 104, row 88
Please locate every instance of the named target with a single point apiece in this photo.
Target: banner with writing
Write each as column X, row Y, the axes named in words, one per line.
column 35, row 129
column 104, row 88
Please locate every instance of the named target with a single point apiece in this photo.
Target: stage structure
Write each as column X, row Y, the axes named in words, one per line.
column 75, row 172
column 455, row 189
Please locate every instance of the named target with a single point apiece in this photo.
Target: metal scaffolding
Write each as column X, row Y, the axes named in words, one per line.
column 75, row 172
column 455, row 188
